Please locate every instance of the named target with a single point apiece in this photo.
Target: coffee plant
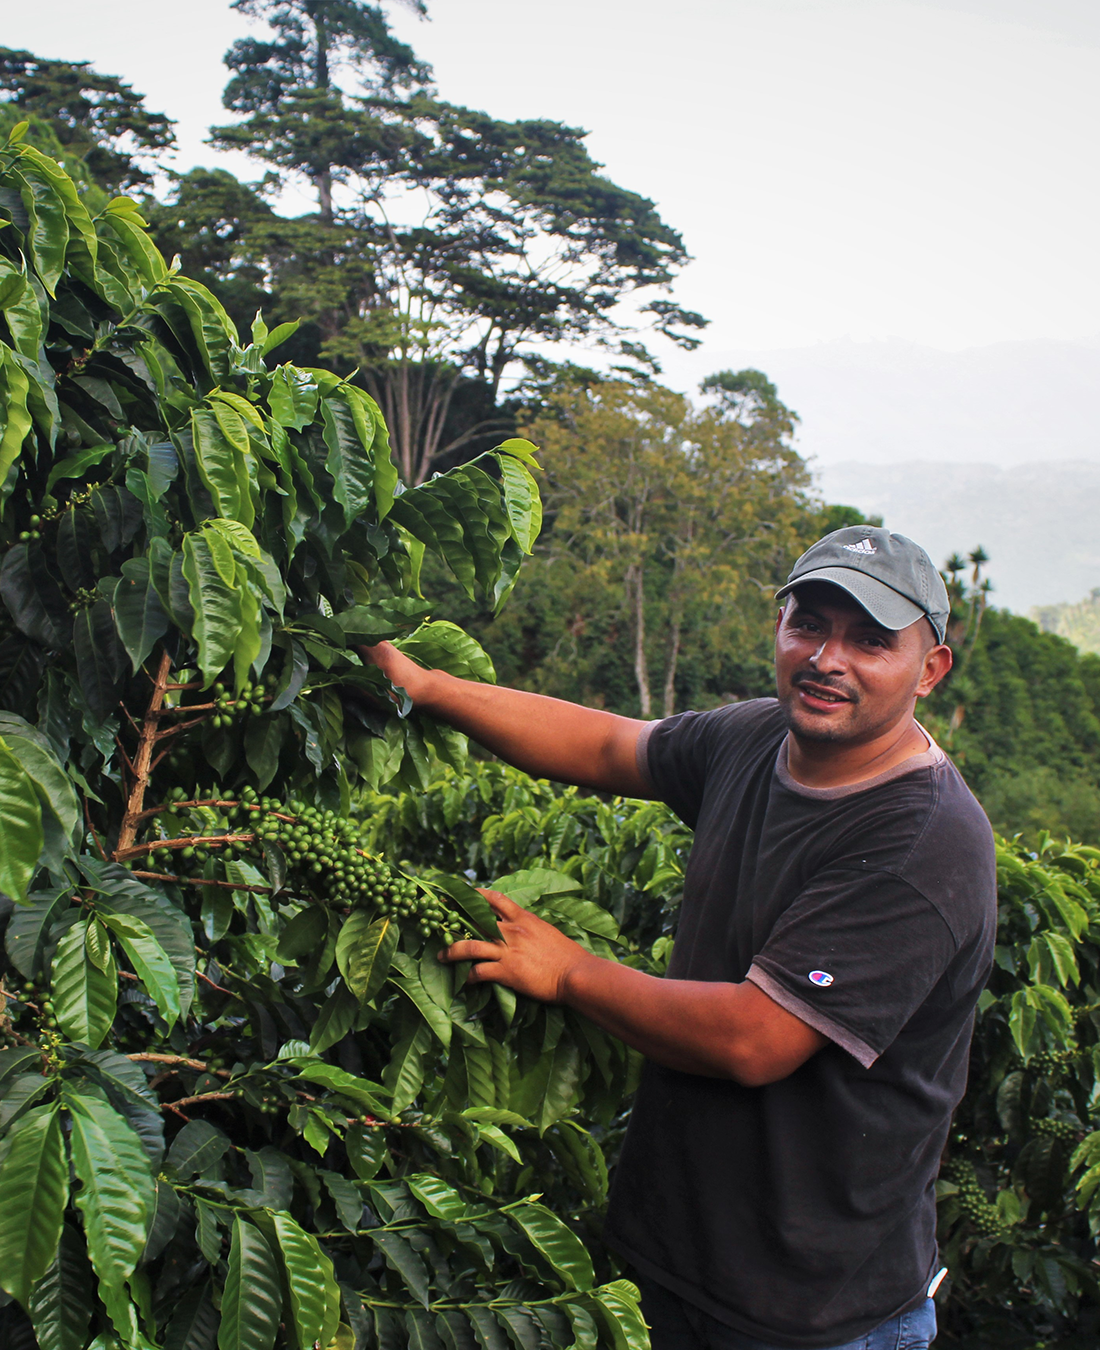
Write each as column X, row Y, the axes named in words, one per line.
column 242, row 1104
column 1020, row 1186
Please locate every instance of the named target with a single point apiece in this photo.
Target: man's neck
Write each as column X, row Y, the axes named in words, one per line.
column 827, row 764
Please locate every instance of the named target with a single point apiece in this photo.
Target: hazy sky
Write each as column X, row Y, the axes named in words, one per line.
column 839, row 168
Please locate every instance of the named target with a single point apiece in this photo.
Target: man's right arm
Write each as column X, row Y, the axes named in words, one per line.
column 546, row 737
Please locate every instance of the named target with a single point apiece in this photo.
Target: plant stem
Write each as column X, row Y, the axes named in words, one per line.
column 141, row 761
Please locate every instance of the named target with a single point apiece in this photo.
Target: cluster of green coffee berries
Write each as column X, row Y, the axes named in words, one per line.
column 974, row 1203
column 85, row 598
column 39, row 998
column 324, row 858
column 250, row 700
column 1054, row 1063
column 33, row 532
column 1065, row 1130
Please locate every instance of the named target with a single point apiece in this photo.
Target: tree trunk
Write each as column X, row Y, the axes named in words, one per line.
column 323, row 184
column 674, row 633
column 641, row 673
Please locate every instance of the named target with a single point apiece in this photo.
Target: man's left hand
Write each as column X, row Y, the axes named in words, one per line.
column 534, row 958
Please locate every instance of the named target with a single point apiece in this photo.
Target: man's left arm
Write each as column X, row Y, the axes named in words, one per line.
column 715, row 1029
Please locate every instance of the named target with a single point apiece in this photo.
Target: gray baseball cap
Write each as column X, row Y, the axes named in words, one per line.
column 890, row 576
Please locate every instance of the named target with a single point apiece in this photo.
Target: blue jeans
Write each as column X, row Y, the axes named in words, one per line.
column 676, row 1324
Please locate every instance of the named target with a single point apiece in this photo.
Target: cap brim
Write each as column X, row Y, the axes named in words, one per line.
column 882, row 602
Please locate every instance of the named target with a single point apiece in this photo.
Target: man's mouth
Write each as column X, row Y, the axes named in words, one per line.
column 820, row 695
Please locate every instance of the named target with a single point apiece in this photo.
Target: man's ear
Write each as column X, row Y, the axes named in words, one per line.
column 938, row 661
column 779, row 619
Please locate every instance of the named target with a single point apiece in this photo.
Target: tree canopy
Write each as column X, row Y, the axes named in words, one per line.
column 97, row 119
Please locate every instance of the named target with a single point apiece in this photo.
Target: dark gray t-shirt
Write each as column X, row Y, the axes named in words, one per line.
column 803, row 1212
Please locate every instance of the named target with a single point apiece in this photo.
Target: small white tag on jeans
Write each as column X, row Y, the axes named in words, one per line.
column 937, row 1280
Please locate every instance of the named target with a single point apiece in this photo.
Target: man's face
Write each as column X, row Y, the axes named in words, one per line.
column 840, row 675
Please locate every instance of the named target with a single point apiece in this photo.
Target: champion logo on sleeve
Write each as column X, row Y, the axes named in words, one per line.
column 821, row 978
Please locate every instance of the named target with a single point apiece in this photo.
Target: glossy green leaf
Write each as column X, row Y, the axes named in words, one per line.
column 404, row 1075
column 252, row 1300
column 194, row 1322
column 217, row 621
column 100, row 657
column 14, row 389
column 314, row 1293
column 522, row 502
column 33, row 598
column 28, row 929
column 60, row 805
column 116, row 1193
column 196, row 1149
column 444, row 646
column 336, row 1018
column 60, row 1305
column 140, row 616
column 150, row 962
column 21, row 835
column 402, row 1258
column 84, row 995
column 560, row 1246
column 34, row 1190
column 293, row 397
column 364, row 951
column 348, row 461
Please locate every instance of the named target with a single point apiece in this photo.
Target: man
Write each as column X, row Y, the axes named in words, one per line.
column 810, row 1042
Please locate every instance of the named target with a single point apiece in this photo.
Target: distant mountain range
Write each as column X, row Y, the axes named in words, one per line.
column 1080, row 623
column 1039, row 522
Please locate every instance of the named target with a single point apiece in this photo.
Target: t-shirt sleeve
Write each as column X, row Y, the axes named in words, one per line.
column 855, row 956
column 675, row 754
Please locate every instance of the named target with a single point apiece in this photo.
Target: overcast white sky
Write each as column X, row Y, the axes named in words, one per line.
column 892, row 204
column 925, row 169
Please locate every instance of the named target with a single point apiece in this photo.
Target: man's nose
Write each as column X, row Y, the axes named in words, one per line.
column 829, row 655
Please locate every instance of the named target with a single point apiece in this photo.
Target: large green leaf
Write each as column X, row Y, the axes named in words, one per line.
column 292, row 397
column 61, row 1302
column 364, row 951
column 121, row 893
column 21, row 835
column 100, row 657
column 349, row 460
column 33, row 598
column 221, row 462
column 34, row 1190
column 150, row 961
column 252, row 1301
column 616, row 1305
column 116, row 1192
column 196, row 1149
column 60, row 805
column 314, row 1293
column 444, row 646
column 140, row 616
column 29, row 927
column 521, row 501
column 217, row 622
column 194, row 1322
column 14, row 388
column 560, row 1246
column 84, row 996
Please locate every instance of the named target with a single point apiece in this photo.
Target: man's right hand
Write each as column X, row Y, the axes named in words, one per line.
column 546, row 737
column 398, row 668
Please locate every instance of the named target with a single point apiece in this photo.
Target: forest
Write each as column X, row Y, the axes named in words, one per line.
column 242, row 1104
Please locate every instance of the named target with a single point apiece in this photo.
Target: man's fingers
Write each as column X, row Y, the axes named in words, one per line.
column 488, row 972
column 503, row 906
column 472, row 950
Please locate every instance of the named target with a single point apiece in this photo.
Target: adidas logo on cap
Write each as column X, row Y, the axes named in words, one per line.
column 864, row 546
